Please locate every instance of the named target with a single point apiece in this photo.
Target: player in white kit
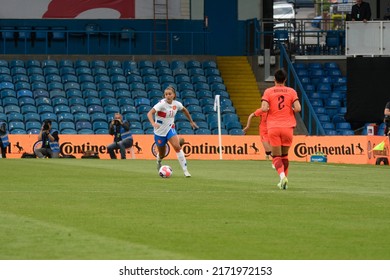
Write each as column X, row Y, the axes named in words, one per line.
column 162, row 117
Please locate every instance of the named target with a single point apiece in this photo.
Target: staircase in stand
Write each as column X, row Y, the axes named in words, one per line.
column 160, row 25
column 241, row 84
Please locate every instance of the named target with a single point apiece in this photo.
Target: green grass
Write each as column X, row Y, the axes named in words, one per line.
column 103, row 209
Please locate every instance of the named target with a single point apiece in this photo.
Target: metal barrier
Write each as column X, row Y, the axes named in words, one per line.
column 308, row 115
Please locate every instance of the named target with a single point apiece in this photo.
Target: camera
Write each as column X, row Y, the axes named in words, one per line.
column 116, row 122
column 46, row 126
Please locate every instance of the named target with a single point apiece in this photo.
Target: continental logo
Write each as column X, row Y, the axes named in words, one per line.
column 67, row 148
column 205, row 149
column 302, row 150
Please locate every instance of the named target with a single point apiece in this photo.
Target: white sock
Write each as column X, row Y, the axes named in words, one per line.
column 158, row 157
column 182, row 160
column 282, row 175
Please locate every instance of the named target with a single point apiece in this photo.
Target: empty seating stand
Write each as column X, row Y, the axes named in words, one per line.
column 81, row 96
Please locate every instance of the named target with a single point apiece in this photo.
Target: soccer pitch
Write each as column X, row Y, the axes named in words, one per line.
column 229, row 210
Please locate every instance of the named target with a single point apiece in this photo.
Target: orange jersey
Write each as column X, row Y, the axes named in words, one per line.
column 280, row 100
column 263, row 121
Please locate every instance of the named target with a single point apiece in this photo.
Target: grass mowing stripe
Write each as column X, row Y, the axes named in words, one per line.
column 52, row 241
column 227, row 210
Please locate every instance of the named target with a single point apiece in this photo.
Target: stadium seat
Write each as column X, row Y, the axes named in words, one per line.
column 76, row 101
column 85, row 131
column 66, row 125
column 108, row 109
column 61, row 109
column 94, row 108
column 33, row 125
column 78, row 117
column 31, row 117
column 109, row 101
column 98, row 116
column 78, row 109
column 11, row 108
column 83, row 125
column 233, row 125
column 140, row 93
column 128, row 109
column 48, row 116
column 186, row 131
column 132, row 117
column 27, row 109
column 26, row 101
column 15, row 116
column 99, row 125
column 65, row 116
column 14, row 125
column 137, row 131
column 235, row 131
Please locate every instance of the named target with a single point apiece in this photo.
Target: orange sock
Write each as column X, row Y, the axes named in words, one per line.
column 277, row 161
column 285, row 162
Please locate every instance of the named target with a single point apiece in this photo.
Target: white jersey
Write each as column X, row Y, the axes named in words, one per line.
column 165, row 116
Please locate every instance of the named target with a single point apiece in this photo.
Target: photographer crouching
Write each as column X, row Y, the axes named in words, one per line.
column 122, row 136
column 49, row 137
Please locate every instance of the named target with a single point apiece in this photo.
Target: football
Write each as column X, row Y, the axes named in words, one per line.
column 165, row 171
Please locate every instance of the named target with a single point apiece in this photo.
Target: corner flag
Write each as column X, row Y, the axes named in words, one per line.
column 380, row 146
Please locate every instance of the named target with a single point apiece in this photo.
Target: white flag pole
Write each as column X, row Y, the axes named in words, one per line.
column 217, row 108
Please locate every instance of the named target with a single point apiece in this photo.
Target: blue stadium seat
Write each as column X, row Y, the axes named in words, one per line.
column 108, row 109
column 143, row 109
column 83, row 125
column 78, row 117
column 11, row 108
column 132, row 117
column 88, row 85
column 14, row 125
column 57, row 93
column 109, row 101
column 68, row 131
column 121, row 93
column 99, row 125
column 15, row 116
column 66, row 125
column 95, row 109
column 26, row 101
column 236, row 131
column 98, row 116
column 85, row 131
column 65, row 116
column 78, row 109
column 33, row 125
column 48, row 116
column 61, row 109
column 29, row 117
column 128, row 109
column 90, row 93
column 76, row 101
column 232, row 125
column 186, row 131
column 137, row 131
column 28, row 109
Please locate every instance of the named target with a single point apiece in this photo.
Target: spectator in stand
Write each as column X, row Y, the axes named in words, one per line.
column 361, row 11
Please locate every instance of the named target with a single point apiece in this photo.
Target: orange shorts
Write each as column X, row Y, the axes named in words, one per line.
column 264, row 137
column 280, row 136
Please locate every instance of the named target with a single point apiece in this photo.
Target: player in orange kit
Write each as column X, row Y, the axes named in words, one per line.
column 281, row 103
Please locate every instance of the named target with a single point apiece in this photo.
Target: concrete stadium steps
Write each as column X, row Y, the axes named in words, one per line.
column 241, row 84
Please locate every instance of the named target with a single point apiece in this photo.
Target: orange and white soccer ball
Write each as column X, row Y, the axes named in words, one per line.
column 165, row 171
